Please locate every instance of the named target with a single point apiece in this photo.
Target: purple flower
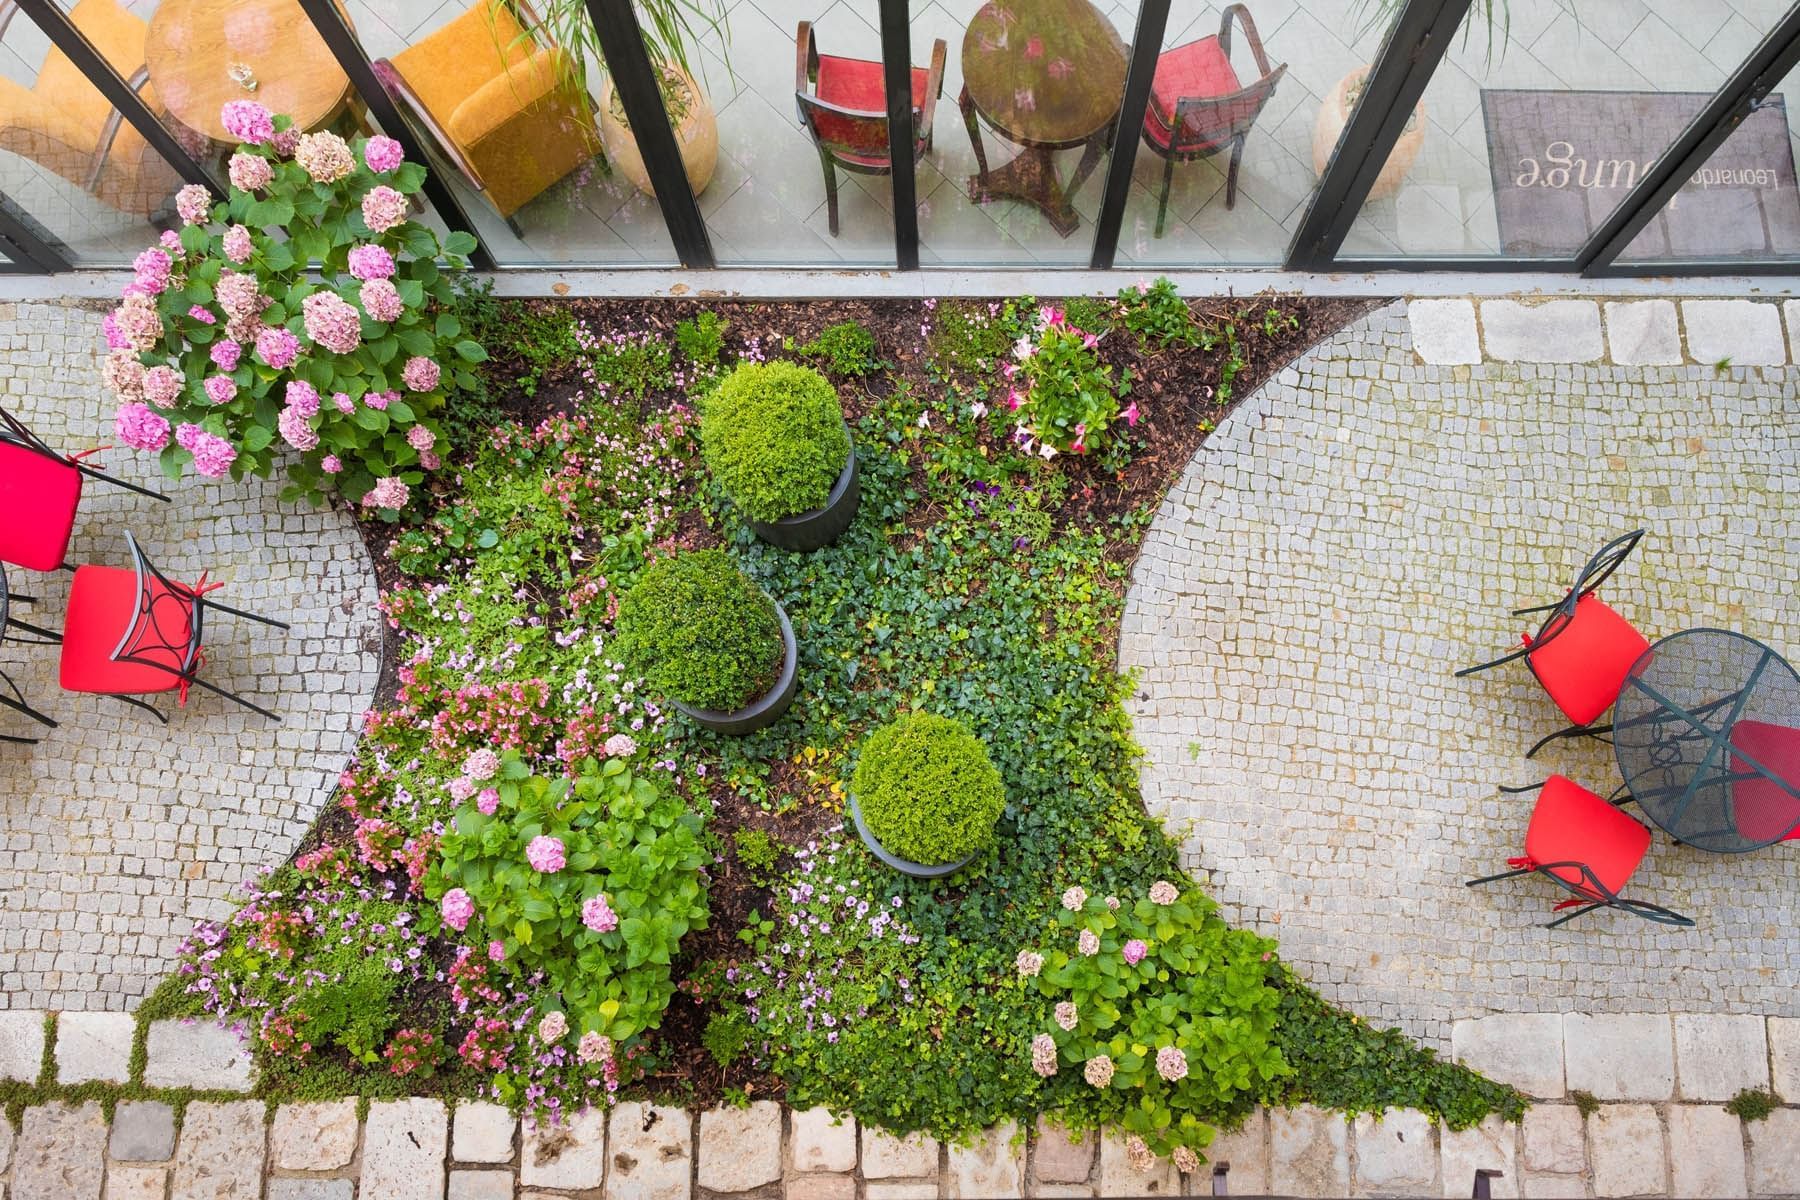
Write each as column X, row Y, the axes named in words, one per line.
column 545, row 854
column 371, row 262
column 383, row 154
column 1135, row 951
column 278, row 347
column 225, row 355
column 420, row 374
column 219, row 388
column 247, row 121
column 141, row 428
column 456, row 908
column 599, row 916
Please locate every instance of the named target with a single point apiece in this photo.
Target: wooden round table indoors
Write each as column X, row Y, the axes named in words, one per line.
column 193, row 45
column 1047, row 75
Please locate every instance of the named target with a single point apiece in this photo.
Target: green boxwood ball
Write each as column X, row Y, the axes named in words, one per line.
column 699, row 630
column 773, row 436
column 927, row 789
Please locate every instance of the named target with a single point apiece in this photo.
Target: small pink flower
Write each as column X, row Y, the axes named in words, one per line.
column 331, row 464
column 1171, row 1064
column 420, row 374
column 193, row 204
column 141, row 428
column 496, row 951
column 332, row 322
column 1135, row 951
column 278, row 347
column 225, row 355
column 1067, row 1016
column 383, row 208
column 296, row 430
column 238, row 244
column 152, row 267
column 380, row 400
column 429, row 460
column 1088, row 943
column 487, row 800
column 1131, row 414
column 285, row 141
column 371, row 262
column 598, row 915
column 202, row 314
column 383, row 154
column 620, row 745
column 545, row 854
column 171, row 241
column 220, row 389
column 326, row 156
column 420, row 438
column 461, row 788
column 250, row 172
column 456, row 908
column 1034, row 47
column 482, row 764
column 1043, row 1055
column 1164, row 892
column 594, row 1047
column 343, row 402
column 247, row 121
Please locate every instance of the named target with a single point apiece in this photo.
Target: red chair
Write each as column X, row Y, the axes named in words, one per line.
column 1584, row 844
column 1763, row 808
column 39, row 493
column 843, row 105
column 1198, row 106
column 134, row 632
column 1584, row 650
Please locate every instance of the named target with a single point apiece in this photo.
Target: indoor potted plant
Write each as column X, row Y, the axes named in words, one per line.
column 702, row 634
column 773, row 435
column 925, row 795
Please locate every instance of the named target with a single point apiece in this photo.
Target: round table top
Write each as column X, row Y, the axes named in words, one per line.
column 192, row 46
column 1044, row 72
column 1707, row 734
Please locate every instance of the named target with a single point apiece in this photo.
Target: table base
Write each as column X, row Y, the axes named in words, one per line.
column 1031, row 177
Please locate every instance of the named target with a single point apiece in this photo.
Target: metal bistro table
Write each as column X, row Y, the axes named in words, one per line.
column 1707, row 734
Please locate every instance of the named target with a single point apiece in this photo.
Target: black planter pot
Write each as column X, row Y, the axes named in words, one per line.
column 821, row 526
column 903, row 865
column 761, row 713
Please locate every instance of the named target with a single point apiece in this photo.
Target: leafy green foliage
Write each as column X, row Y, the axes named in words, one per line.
column 727, row 1037
column 846, row 349
column 773, row 436
column 970, row 339
column 700, row 631
column 1158, row 316
column 351, row 1008
column 1586, row 1103
column 632, row 364
column 757, row 852
column 927, row 789
column 533, row 340
column 1753, row 1104
column 701, row 340
column 622, row 840
column 1092, row 313
column 1069, row 396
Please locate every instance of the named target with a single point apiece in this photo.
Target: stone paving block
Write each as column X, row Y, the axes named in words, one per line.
column 818, row 1142
column 1719, row 1055
column 1063, row 1191
column 1309, row 1152
column 405, row 1143
column 1748, row 332
column 571, row 1155
column 1555, row 331
column 310, row 1189
column 21, row 1045
column 142, row 1131
column 60, row 1153
column 1246, row 1152
column 1625, row 1151
column 885, row 1156
column 1774, row 1153
column 1521, row 1049
column 220, row 1153
column 1535, row 1184
column 314, row 1137
column 992, row 1166
column 1487, row 1147
column 482, row 1132
column 1555, row 1139
column 94, row 1046
column 6, row 1142
column 827, row 1187
column 649, row 1150
column 1643, row 332
column 1443, row 331
column 136, row 1183
column 1060, row 1156
column 200, row 1054
column 891, row 1190
column 1791, row 310
column 1118, row 1177
column 1706, row 1153
column 1396, row 1154
column 740, row 1148
column 1619, row 1056
column 480, row 1185
column 1784, row 1056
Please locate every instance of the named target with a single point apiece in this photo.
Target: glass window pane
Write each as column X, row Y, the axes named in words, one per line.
column 1219, row 108
column 1535, row 126
column 511, row 108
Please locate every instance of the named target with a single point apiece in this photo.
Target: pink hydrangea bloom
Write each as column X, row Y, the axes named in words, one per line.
column 213, row 455
column 461, row 788
column 1185, row 1159
column 553, row 1028
column 380, row 400
column 620, row 745
column 487, row 800
column 115, row 337
column 1098, row 1070
column 429, row 460
column 456, row 908
column 302, row 397
column 1135, row 951
column 383, row 208
column 545, row 854
column 381, row 300
column 152, row 267
column 1088, row 943
column 390, row 491
column 225, row 354
column 594, row 1047
column 1164, row 892
column 1171, row 1064
column 123, row 375
column 421, row 374
column 420, row 438
column 162, row 384
column 482, row 764
column 278, row 347
column 497, row 951
column 1043, row 1055
column 203, row 314
column 1073, row 898
column 343, row 402
column 193, row 204
column 285, row 141
column 332, row 322
column 247, row 121
column 331, row 464
column 383, row 154
column 238, row 244
column 171, row 241
column 296, row 430
column 237, row 294
column 250, row 172
column 371, row 262
column 599, row 916
column 137, row 323
column 1067, row 1016
column 141, row 428
column 326, row 156
column 220, row 389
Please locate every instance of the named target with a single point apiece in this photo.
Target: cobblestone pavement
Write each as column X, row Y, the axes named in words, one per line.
column 116, row 832
column 1359, row 529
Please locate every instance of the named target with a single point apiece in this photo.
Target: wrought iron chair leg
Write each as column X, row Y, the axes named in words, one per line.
column 1516, row 654
column 1537, row 608
column 1573, row 913
column 1515, row 791
column 22, row 598
column 235, row 698
column 101, row 475
column 147, row 707
column 1571, row 731
column 18, row 741
column 40, row 636
column 1497, row 878
column 238, row 612
column 22, row 707
column 1162, row 203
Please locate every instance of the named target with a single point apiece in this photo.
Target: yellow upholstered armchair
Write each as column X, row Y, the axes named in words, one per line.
column 64, row 124
column 497, row 102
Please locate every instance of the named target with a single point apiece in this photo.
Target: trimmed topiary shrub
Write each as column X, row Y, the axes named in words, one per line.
column 700, row 631
column 927, row 789
column 773, row 436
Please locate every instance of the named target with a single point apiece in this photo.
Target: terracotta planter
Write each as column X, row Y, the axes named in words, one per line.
column 1335, row 112
column 697, row 135
column 821, row 526
column 764, row 711
column 903, row 865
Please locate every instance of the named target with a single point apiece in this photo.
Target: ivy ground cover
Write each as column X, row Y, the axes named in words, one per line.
column 541, row 884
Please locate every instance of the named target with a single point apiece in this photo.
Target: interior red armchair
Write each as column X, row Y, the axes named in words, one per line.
column 40, row 492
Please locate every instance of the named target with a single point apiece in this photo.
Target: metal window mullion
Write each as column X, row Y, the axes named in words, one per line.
column 340, row 39
column 1415, row 45
column 1146, row 48
column 24, row 245
column 896, row 72
column 1748, row 86
column 628, row 62
column 55, row 24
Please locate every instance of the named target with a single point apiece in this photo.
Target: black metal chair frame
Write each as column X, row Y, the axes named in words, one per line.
column 1598, row 569
column 17, row 432
column 146, row 632
column 1591, row 891
column 16, row 701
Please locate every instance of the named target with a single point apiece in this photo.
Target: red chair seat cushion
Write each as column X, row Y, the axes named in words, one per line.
column 1198, row 70
column 39, row 496
column 857, row 84
column 1584, row 666
column 1572, row 824
column 103, row 603
column 1763, row 809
